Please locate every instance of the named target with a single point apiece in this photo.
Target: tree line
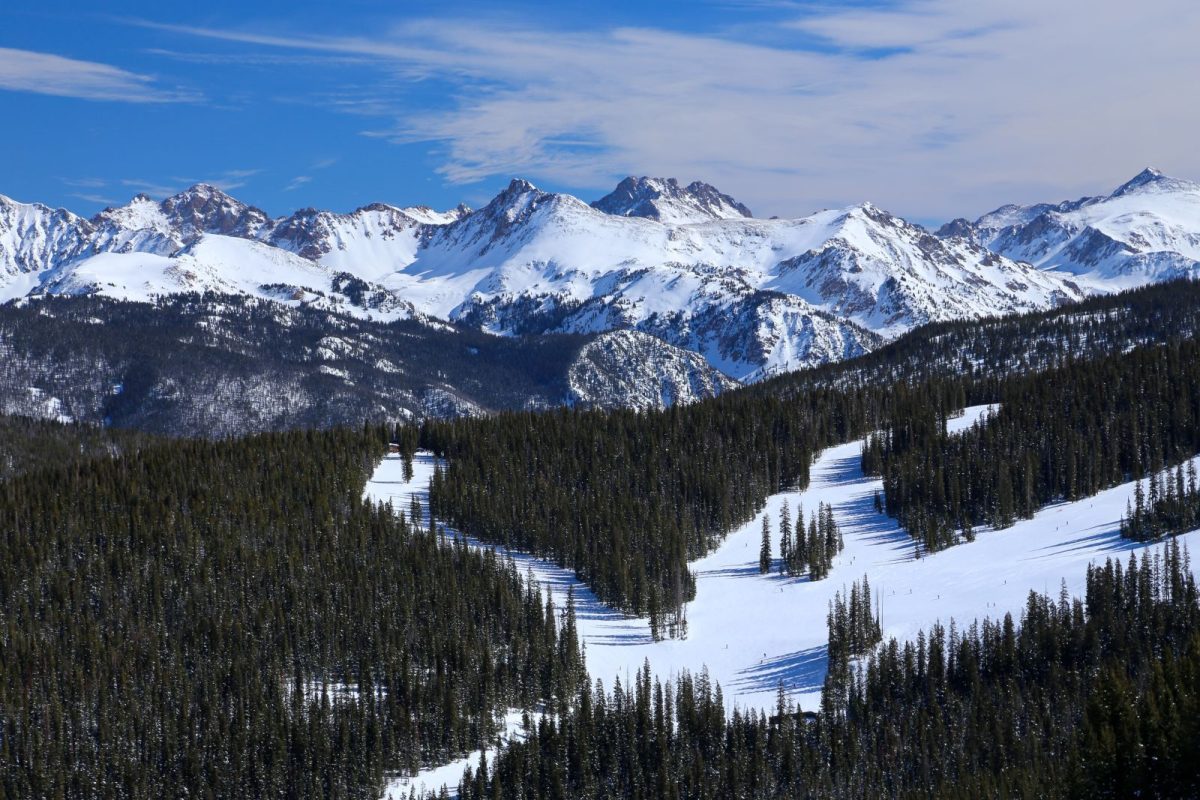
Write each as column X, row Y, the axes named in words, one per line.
column 1058, row 435
column 627, row 498
column 1084, row 698
column 1171, row 506
column 810, row 550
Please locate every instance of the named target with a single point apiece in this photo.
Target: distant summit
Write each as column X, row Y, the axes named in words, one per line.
column 1146, row 230
column 664, row 200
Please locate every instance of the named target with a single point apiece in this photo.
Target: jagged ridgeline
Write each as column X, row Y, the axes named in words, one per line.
column 231, row 619
column 1079, row 700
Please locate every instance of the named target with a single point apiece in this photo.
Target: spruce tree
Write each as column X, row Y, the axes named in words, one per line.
column 764, row 551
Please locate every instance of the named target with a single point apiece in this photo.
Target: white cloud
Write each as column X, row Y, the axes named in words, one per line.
column 44, row 73
column 226, row 181
column 928, row 107
column 99, row 199
column 297, row 182
column 85, row 183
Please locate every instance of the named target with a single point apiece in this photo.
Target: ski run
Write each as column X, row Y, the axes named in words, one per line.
column 754, row 632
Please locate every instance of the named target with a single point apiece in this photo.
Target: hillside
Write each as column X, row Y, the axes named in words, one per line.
column 219, row 365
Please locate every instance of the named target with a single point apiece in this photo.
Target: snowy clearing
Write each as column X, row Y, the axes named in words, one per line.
column 754, row 632
column 449, row 775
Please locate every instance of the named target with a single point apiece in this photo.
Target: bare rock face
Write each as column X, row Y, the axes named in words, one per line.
column 206, row 209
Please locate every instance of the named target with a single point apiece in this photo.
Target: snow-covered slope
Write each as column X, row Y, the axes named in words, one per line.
column 890, row 275
column 370, row 242
column 33, row 239
column 1147, row 230
column 755, row 632
column 686, row 264
column 212, row 262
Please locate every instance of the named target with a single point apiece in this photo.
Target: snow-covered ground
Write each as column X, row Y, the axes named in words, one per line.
column 449, row 775
column 754, row 632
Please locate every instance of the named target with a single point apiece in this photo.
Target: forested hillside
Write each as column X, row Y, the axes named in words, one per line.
column 212, row 365
column 230, row 619
column 1063, row 434
column 28, row 443
column 1080, row 699
column 992, row 349
column 626, row 499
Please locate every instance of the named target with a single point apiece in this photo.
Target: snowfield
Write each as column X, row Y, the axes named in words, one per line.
column 755, row 632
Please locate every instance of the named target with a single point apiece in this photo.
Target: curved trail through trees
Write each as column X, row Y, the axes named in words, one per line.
column 754, row 632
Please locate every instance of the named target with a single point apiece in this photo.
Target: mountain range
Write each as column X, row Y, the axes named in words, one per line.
column 687, row 265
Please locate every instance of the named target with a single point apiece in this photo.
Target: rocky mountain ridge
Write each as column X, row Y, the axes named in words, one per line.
column 1147, row 230
column 685, row 264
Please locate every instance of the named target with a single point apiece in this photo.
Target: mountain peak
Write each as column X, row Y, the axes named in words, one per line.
column 201, row 190
column 203, row 208
column 664, row 200
column 519, row 186
column 1151, row 179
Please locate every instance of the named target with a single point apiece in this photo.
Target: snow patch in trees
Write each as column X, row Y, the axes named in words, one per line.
column 450, row 774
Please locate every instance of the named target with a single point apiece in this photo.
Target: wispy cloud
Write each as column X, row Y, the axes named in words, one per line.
column 225, row 181
column 231, row 179
column 45, row 73
column 94, row 198
column 925, row 106
column 85, row 183
column 297, row 182
column 152, row 188
column 257, row 59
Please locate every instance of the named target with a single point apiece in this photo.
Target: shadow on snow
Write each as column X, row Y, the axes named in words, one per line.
column 801, row 671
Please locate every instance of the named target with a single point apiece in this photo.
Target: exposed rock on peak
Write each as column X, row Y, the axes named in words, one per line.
column 204, row 208
column 664, row 200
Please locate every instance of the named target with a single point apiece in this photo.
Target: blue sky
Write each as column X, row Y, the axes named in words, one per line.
column 930, row 108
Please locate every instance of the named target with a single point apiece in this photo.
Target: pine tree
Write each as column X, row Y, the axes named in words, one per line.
column 764, row 551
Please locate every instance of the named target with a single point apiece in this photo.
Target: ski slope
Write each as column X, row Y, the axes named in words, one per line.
column 754, row 632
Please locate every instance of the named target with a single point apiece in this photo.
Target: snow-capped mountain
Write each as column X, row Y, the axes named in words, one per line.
column 686, row 264
column 664, row 200
column 33, row 239
column 752, row 296
column 1146, row 230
